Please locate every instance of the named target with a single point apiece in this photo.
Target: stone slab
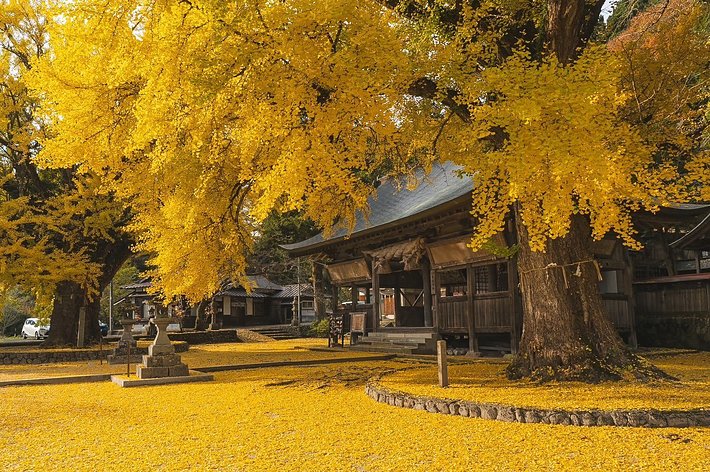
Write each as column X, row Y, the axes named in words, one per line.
column 57, row 380
column 118, row 359
column 178, row 370
column 144, row 372
column 194, row 376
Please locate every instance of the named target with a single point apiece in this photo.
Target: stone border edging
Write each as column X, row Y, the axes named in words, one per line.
column 56, row 380
column 635, row 418
column 79, row 355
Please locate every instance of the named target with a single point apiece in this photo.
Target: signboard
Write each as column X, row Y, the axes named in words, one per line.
column 350, row 271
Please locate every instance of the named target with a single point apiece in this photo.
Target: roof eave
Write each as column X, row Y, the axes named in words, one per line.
column 314, row 248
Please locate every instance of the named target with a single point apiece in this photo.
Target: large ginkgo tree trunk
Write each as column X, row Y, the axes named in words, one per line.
column 567, row 334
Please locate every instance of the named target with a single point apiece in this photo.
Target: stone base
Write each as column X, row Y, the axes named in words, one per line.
column 122, row 359
column 161, row 365
column 178, row 370
column 194, row 376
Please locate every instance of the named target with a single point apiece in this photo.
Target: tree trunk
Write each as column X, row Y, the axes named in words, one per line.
column 70, row 297
column 567, row 334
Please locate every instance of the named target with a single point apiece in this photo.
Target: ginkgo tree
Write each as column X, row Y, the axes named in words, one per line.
column 61, row 238
column 208, row 115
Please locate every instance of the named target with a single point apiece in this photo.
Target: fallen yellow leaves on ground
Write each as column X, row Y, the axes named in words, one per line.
column 485, row 382
column 302, row 418
column 200, row 355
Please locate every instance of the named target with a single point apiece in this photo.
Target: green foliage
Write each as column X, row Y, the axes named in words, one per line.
column 500, row 250
column 320, row 329
column 126, row 274
column 17, row 307
column 268, row 258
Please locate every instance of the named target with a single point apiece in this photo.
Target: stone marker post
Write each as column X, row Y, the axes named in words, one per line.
column 161, row 360
column 82, row 328
column 442, row 363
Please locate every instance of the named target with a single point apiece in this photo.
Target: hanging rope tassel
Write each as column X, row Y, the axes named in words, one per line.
column 599, row 272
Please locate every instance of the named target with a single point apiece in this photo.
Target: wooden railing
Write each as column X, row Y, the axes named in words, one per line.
column 452, row 313
column 491, row 312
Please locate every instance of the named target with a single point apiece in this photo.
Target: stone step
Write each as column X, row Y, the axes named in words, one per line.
column 386, row 344
column 391, row 349
column 422, row 336
column 428, row 342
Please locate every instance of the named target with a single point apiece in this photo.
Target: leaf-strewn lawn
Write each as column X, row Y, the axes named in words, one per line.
column 198, row 356
column 485, row 382
column 302, row 418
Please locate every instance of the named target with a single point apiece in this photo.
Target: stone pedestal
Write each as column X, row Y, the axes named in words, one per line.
column 120, row 353
column 161, row 360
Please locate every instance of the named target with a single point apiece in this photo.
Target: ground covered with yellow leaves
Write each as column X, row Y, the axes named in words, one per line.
column 485, row 382
column 198, row 356
column 304, row 418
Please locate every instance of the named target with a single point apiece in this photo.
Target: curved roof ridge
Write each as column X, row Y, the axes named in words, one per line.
column 393, row 202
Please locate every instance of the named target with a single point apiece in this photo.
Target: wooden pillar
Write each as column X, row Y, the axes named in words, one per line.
column 336, row 295
column 470, row 318
column 318, row 292
column 628, row 275
column 375, row 297
column 435, row 298
column 354, row 296
column 397, row 302
column 426, row 280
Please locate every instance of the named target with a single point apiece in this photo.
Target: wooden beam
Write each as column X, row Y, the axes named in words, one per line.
column 376, row 297
column 470, row 318
column 628, row 276
column 397, row 302
column 426, row 280
column 435, row 298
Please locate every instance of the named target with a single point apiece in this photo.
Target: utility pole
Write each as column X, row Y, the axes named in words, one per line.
column 298, row 278
column 110, row 307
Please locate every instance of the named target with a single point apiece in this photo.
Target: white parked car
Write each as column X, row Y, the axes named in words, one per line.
column 34, row 329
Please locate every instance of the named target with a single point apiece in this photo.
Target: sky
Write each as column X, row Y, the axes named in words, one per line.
column 607, row 8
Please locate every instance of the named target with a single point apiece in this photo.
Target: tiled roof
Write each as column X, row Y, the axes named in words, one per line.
column 261, row 282
column 291, row 291
column 241, row 292
column 394, row 203
column 258, row 282
column 141, row 284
